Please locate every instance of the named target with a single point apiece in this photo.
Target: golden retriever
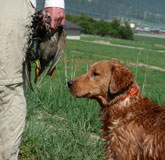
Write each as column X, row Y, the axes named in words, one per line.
column 133, row 125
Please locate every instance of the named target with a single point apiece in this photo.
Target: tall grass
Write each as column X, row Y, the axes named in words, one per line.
column 59, row 126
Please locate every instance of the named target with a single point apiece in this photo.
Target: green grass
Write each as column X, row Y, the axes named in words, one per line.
column 151, row 40
column 147, row 43
column 91, row 51
column 62, row 127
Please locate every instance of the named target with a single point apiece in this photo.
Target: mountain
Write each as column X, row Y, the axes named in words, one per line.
column 149, row 10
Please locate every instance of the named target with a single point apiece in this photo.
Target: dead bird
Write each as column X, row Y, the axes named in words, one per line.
column 45, row 45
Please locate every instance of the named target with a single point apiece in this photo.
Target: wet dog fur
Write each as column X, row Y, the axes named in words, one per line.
column 133, row 126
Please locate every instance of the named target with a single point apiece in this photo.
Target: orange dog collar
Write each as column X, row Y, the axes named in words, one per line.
column 132, row 92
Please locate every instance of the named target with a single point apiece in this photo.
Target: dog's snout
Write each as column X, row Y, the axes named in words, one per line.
column 70, row 83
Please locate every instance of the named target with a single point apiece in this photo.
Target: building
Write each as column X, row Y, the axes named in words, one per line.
column 132, row 25
column 72, row 30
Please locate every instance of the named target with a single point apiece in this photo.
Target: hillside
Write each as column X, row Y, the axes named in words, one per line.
column 148, row 10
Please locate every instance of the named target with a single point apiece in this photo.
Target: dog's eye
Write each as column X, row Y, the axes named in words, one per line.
column 95, row 74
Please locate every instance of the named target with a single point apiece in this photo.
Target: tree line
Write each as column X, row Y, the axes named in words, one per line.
column 102, row 27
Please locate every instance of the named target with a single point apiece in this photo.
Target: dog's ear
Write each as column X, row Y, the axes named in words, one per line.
column 120, row 78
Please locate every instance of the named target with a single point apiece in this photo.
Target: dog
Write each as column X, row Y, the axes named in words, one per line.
column 133, row 125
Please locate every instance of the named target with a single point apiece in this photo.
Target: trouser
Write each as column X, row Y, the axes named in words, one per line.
column 12, row 120
column 15, row 15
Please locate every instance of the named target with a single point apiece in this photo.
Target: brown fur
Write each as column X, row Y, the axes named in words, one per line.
column 133, row 128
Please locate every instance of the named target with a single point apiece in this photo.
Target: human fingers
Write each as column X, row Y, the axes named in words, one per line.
column 57, row 16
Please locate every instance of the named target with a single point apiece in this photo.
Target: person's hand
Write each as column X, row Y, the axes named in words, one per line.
column 57, row 16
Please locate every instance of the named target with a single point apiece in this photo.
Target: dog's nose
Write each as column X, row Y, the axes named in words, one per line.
column 70, row 83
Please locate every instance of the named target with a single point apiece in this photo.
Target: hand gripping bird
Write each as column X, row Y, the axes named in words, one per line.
column 45, row 45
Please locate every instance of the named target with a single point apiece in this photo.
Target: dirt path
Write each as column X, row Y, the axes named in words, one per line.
column 130, row 64
column 148, row 66
column 118, row 45
column 110, row 44
column 150, row 35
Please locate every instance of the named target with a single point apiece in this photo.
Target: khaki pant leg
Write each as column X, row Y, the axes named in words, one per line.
column 12, row 120
column 14, row 17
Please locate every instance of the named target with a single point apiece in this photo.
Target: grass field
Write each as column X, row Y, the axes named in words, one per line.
column 61, row 127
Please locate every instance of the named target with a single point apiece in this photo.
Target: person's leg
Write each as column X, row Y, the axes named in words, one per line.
column 12, row 120
column 14, row 17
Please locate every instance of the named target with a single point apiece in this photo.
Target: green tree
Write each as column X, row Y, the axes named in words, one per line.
column 101, row 27
column 126, row 32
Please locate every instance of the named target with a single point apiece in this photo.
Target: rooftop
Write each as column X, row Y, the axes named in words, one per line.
column 70, row 25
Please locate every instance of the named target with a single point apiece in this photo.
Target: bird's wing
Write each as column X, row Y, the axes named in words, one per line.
column 55, row 61
column 61, row 45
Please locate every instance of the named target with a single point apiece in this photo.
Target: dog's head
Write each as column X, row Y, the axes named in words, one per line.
column 102, row 79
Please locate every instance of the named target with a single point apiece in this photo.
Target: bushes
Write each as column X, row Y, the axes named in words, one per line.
column 101, row 27
column 126, row 32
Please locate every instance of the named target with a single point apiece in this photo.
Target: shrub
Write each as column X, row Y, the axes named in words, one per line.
column 102, row 27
